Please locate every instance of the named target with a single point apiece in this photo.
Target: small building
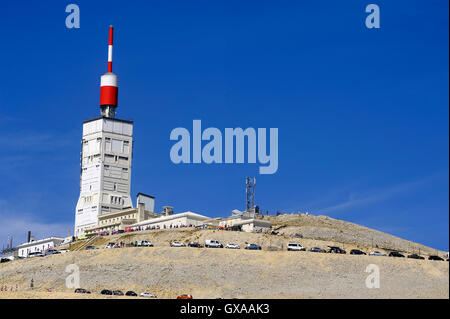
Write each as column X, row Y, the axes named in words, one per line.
column 186, row 219
column 120, row 220
column 38, row 246
column 246, row 224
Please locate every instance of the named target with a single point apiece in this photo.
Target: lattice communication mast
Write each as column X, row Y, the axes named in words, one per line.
column 250, row 192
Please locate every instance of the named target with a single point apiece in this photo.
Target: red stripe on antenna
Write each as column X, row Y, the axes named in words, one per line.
column 111, row 29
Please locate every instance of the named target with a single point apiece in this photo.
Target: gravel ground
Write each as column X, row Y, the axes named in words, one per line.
column 211, row 273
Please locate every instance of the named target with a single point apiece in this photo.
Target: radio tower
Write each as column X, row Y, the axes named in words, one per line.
column 250, row 192
column 106, row 154
column 108, row 84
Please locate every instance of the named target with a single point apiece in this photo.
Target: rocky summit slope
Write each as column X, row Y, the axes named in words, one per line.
column 210, row 273
column 339, row 231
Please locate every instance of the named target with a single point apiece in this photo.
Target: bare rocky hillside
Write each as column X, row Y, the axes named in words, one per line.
column 272, row 272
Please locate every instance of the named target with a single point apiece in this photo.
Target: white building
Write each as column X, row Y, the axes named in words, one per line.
column 186, row 219
column 105, row 170
column 246, row 224
column 38, row 246
column 120, row 220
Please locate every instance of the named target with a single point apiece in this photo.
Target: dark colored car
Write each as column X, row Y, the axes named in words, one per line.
column 317, row 250
column 117, row 293
column 82, row 291
column 91, row 248
column 336, row 250
column 106, row 292
column 4, row 260
column 357, row 252
column 194, row 244
column 253, row 247
column 415, row 256
column 395, row 254
column 51, row 252
column 131, row 293
column 434, row 257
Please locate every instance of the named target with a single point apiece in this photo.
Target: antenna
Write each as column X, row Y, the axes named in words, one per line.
column 110, row 48
column 109, row 84
column 250, row 183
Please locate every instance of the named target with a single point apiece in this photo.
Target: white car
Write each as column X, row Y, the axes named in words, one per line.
column 376, row 253
column 213, row 244
column 177, row 244
column 147, row 295
column 232, row 246
column 110, row 245
column 296, row 247
column 143, row 243
column 36, row 254
column 62, row 251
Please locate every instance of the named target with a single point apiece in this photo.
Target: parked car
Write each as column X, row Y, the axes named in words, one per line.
column 194, row 244
column 184, row 296
column 35, row 254
column 434, row 257
column 253, row 247
column 415, row 256
column 336, row 250
column 376, row 253
column 357, row 252
column 4, row 260
column 51, row 252
column 117, row 293
column 62, row 251
column 317, row 250
column 147, row 295
column 131, row 294
column 143, row 243
column 213, row 244
column 232, row 246
column 109, row 245
column 395, row 254
column 82, row 291
column 91, row 248
column 106, row 292
column 177, row 244
column 295, row 247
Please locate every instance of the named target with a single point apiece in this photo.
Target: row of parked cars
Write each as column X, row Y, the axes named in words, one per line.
column 290, row 247
column 45, row 253
column 129, row 293
column 215, row 244
column 338, row 250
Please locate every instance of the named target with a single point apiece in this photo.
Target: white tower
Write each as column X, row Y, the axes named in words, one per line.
column 105, row 159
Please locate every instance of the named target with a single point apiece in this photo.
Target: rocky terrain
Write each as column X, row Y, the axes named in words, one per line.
column 211, row 273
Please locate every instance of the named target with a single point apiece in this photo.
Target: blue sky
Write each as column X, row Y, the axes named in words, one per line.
column 362, row 114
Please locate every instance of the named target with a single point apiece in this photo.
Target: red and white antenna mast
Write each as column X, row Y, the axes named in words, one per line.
column 108, row 84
